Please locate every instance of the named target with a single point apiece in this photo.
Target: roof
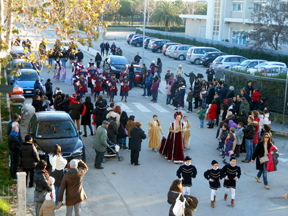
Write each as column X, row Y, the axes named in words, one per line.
column 195, row 17
column 52, row 116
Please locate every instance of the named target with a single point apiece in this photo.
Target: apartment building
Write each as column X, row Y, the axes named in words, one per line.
column 226, row 20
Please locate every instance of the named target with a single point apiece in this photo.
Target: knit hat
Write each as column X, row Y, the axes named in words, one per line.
column 105, row 122
column 180, row 65
column 153, row 61
column 74, row 163
column 214, row 162
column 168, row 71
column 233, row 158
column 231, row 88
column 188, row 158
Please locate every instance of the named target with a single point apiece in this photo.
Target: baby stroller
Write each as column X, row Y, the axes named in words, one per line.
column 112, row 152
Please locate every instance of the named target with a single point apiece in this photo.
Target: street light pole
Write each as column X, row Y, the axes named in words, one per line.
column 144, row 31
column 285, row 99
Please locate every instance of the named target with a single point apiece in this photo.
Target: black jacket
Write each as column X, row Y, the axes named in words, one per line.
column 123, row 122
column 137, row 59
column 75, row 110
column 249, row 131
column 210, row 74
column 107, row 46
column 49, row 89
column 218, row 102
column 86, row 119
column 80, row 55
column 210, row 95
column 196, row 89
column 98, row 58
column 38, row 105
column 174, row 87
column 102, row 46
column 223, row 93
column 29, row 156
column 258, row 153
column 112, row 132
column 41, row 181
column 137, row 135
column 13, row 143
column 191, row 76
column 98, row 116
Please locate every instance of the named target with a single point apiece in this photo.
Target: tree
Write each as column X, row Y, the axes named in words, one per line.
column 166, row 13
column 196, row 8
column 270, row 24
column 125, row 9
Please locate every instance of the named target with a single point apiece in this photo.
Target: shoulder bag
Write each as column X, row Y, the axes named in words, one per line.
column 264, row 159
column 179, row 206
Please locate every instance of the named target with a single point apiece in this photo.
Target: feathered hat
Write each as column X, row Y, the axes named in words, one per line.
column 178, row 113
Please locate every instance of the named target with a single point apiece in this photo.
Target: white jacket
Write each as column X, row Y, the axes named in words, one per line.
column 57, row 162
column 266, row 119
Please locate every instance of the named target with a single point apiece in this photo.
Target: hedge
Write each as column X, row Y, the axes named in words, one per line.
column 248, row 53
column 159, row 28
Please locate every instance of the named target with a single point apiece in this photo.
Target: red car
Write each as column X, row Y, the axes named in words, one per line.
column 137, row 71
column 164, row 48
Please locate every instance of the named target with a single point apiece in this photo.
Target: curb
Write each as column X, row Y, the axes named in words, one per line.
column 280, row 133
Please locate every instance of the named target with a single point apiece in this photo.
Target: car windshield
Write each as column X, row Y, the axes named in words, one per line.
column 137, row 69
column 27, row 76
column 205, row 55
column 245, row 63
column 22, row 65
column 173, row 47
column 118, row 61
column 55, row 130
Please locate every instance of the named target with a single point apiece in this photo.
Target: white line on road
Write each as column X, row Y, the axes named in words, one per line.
column 124, row 107
column 173, row 108
column 159, row 108
column 141, row 107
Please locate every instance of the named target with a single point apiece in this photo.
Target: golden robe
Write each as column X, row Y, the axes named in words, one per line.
column 154, row 134
column 186, row 135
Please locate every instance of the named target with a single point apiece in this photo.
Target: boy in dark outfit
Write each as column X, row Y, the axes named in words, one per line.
column 188, row 171
column 214, row 176
column 231, row 173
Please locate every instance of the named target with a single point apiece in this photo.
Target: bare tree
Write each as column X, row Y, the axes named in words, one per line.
column 270, row 24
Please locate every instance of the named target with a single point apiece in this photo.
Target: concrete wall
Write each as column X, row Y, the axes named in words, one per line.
column 193, row 27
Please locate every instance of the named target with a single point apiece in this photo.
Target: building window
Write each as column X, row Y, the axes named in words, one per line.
column 216, row 22
column 259, row 7
column 238, row 7
column 239, row 37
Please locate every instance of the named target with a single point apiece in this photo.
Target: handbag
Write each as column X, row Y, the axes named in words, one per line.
column 39, row 196
column 179, row 206
column 264, row 159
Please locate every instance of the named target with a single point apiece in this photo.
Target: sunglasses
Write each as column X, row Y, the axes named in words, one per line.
column 267, row 137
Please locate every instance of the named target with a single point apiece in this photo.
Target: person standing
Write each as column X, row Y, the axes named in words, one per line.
column 210, row 73
column 49, row 90
column 98, row 59
column 154, row 90
column 29, row 158
column 182, row 89
column 168, row 92
column 137, row 59
column 72, row 183
column 124, row 87
column 265, row 148
column 64, row 57
column 58, row 164
column 137, row 135
column 153, row 67
column 196, row 92
column 219, row 74
column 113, row 48
column 14, row 145
column 15, row 118
column 159, row 67
column 186, row 133
column 122, row 134
column 214, row 177
column 231, row 173
column 102, row 47
column 154, row 134
column 191, row 76
column 107, row 47
column 148, row 84
column 87, row 110
column 38, row 104
column 249, row 134
column 131, row 76
column 130, row 124
column 100, row 143
column 76, row 112
column 186, row 172
column 112, row 130
column 218, row 102
column 212, row 114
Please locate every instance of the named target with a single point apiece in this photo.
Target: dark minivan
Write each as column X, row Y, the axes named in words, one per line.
column 157, row 45
column 116, row 64
column 49, row 128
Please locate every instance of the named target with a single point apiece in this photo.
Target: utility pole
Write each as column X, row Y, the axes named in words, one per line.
column 147, row 12
column 144, row 31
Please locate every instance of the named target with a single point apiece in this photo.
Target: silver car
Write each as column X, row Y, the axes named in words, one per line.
column 180, row 52
column 170, row 51
column 227, row 61
column 245, row 65
column 194, row 54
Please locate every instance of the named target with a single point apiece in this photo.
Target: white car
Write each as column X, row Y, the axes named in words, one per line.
column 271, row 70
column 245, row 65
column 227, row 61
column 259, row 67
column 65, row 44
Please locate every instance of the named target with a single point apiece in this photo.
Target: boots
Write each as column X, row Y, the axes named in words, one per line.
column 212, row 125
column 232, row 202
column 212, row 204
column 225, row 197
column 122, row 98
column 92, row 133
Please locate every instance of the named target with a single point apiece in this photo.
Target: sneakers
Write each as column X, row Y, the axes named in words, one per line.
column 267, row 187
column 258, row 179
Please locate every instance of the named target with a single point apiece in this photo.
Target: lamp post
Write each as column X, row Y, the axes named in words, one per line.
column 285, row 99
column 144, row 31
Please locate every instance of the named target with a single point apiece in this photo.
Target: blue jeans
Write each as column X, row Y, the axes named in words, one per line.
column 148, row 90
column 112, row 94
column 57, row 190
column 122, row 140
column 201, row 123
column 249, row 148
column 124, row 94
column 144, row 89
column 181, row 96
column 264, row 172
column 204, row 103
column 63, row 60
column 50, row 61
column 159, row 74
column 96, row 93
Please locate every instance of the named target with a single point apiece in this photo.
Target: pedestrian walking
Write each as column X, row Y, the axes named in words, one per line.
column 64, row 57
column 231, row 173
column 100, row 144
column 72, row 184
column 137, row 135
column 107, row 47
column 29, row 158
column 14, row 146
column 98, row 59
column 102, row 47
column 76, row 112
column 249, row 134
column 87, row 110
column 159, row 67
column 154, row 133
column 168, row 92
column 187, row 172
column 113, row 48
column 210, row 73
column 58, row 164
column 214, row 177
column 79, row 55
column 130, row 124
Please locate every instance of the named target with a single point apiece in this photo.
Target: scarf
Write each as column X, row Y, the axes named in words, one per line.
column 14, row 133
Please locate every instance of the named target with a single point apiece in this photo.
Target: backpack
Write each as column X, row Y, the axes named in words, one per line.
column 179, row 206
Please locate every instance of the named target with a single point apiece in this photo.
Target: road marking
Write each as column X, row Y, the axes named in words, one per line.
column 141, row 107
column 124, row 107
column 283, row 160
column 173, row 108
column 159, row 108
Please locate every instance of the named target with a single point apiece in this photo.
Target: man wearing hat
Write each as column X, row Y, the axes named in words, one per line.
column 100, row 143
column 231, row 173
column 187, row 171
column 214, row 177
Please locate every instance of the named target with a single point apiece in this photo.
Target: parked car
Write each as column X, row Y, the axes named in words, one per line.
column 180, row 51
column 25, row 78
column 260, row 67
column 17, row 52
column 134, row 36
column 151, row 41
column 171, row 50
column 166, row 46
column 251, row 63
column 157, row 45
column 17, row 64
column 227, row 61
column 116, row 64
column 49, row 128
column 147, row 41
column 65, row 45
column 128, row 38
column 194, row 54
column 138, row 41
column 209, row 57
column 137, row 71
column 271, row 70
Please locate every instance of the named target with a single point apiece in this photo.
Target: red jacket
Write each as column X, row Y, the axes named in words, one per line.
column 72, row 100
column 255, row 141
column 270, row 165
column 212, row 112
column 256, row 96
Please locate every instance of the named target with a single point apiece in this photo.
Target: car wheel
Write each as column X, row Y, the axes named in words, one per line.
column 137, row 44
column 181, row 58
column 158, row 50
column 197, row 61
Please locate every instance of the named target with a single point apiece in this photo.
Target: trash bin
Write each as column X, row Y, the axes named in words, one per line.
column 17, row 108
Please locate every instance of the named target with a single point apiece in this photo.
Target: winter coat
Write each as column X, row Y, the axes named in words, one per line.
column 29, row 156
column 48, row 208
column 38, row 105
column 255, row 141
column 196, row 89
column 153, row 68
column 231, row 123
column 229, row 145
column 107, row 46
column 266, row 119
column 219, row 75
column 49, row 89
column 9, row 130
column 256, row 96
column 249, row 90
column 179, row 71
column 202, row 114
column 41, row 181
column 210, row 74
column 168, row 89
column 174, row 87
column 243, row 119
column 98, row 116
column 171, row 199
column 86, row 119
column 114, row 115
column 112, row 132
column 14, row 143
column 148, row 81
column 137, row 135
column 223, row 93
column 230, row 94
column 218, row 103
column 212, row 112
column 159, row 67
column 249, row 131
column 259, row 152
column 123, row 122
column 105, row 113
column 130, row 124
column 101, row 103
column 239, row 135
column 100, row 142
column 191, row 76
column 210, row 95
column 189, row 97
column 75, row 110
column 98, row 58
column 155, row 86
column 38, row 85
column 72, row 183
column 273, row 159
column 245, row 105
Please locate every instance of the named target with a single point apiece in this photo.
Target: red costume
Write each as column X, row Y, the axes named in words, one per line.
column 97, row 83
column 81, row 83
column 124, row 86
column 113, row 85
column 74, row 65
column 79, row 67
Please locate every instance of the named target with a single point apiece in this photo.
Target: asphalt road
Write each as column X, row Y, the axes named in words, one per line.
column 122, row 189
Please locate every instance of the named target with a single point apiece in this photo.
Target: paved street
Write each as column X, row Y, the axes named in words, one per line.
column 142, row 190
